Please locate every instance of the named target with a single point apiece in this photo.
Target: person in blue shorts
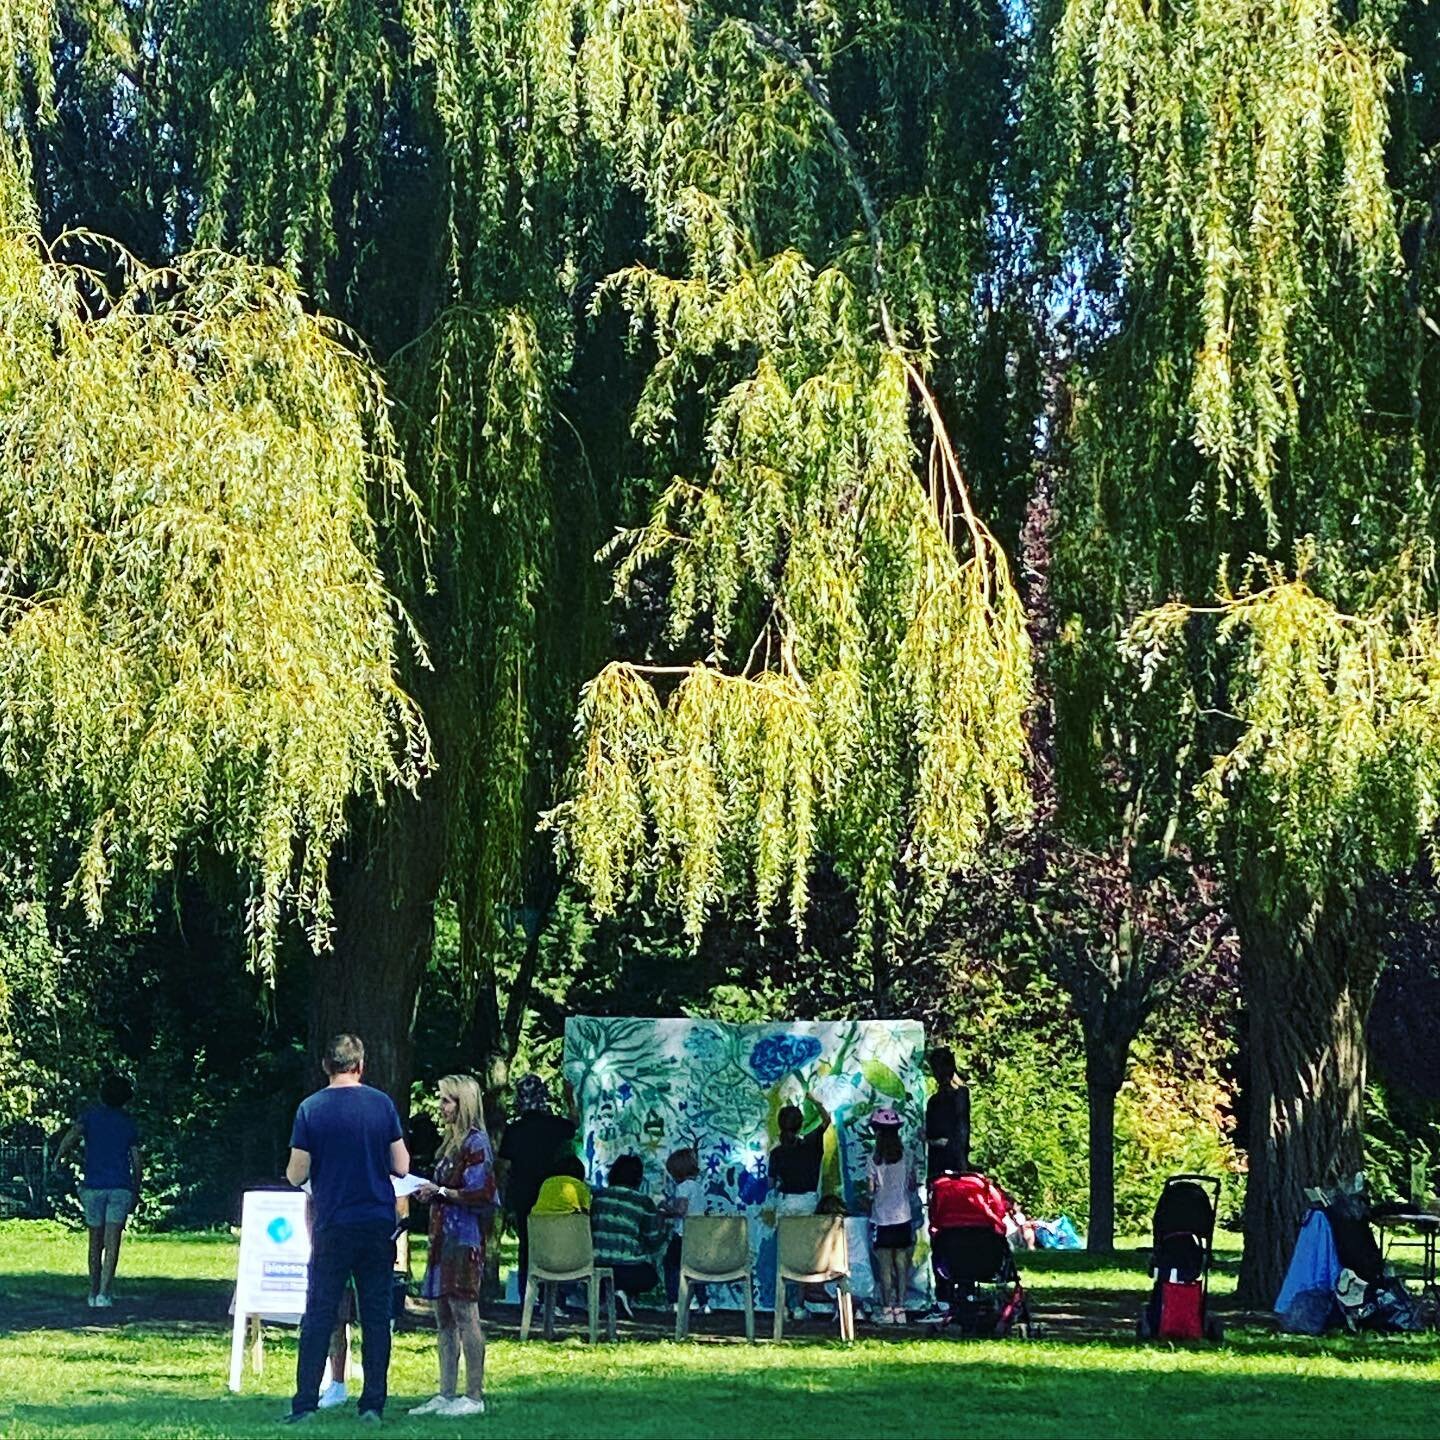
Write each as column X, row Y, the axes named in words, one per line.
column 111, row 1188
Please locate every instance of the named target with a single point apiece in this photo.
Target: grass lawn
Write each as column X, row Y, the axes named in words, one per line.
column 156, row 1366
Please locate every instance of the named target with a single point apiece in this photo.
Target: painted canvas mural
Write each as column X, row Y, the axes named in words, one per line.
column 650, row 1087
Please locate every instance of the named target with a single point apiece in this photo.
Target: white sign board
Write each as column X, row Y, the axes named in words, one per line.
column 274, row 1264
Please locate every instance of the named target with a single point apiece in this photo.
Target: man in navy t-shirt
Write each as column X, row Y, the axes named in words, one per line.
column 347, row 1143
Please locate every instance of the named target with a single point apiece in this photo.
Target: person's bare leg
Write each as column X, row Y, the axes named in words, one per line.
column 472, row 1339
column 340, row 1350
column 903, row 1261
column 882, row 1280
column 112, row 1257
column 97, row 1252
column 449, row 1348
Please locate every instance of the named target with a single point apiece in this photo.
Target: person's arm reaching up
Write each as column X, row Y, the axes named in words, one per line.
column 824, row 1114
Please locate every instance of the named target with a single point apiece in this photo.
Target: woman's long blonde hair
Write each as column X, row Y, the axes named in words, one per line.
column 468, row 1113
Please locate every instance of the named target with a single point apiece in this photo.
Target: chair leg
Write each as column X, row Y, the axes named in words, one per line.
column 592, row 1304
column 747, row 1281
column 527, row 1311
column 610, row 1310
column 550, row 1290
column 682, row 1308
column 779, row 1304
column 846, row 1306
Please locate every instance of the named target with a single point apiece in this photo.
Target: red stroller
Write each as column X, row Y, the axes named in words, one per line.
column 1184, row 1236
column 975, row 1274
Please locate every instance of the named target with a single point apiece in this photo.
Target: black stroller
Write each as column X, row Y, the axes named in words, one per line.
column 986, row 1295
column 1183, row 1240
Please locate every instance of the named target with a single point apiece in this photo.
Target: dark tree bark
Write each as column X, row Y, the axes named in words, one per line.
column 384, row 928
column 1105, row 1065
column 1308, row 988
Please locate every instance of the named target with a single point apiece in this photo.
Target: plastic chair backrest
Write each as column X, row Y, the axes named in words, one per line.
column 715, row 1244
column 560, row 1245
column 812, row 1245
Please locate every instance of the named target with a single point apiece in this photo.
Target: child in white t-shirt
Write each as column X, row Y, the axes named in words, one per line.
column 687, row 1197
column 891, row 1178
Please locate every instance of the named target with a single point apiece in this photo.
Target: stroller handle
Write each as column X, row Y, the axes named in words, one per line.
column 1209, row 1182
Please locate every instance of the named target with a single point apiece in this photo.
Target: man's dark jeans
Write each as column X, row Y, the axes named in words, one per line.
column 339, row 1251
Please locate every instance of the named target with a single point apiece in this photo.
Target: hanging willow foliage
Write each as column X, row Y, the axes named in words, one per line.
column 1332, row 773
column 1248, row 402
column 195, row 642
column 865, row 665
column 1250, row 143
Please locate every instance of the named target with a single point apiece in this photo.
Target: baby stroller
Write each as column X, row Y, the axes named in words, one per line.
column 975, row 1272
column 1184, row 1236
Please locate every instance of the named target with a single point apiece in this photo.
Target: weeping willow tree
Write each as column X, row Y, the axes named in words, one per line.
column 198, row 651
column 422, row 170
column 843, row 667
column 1249, row 509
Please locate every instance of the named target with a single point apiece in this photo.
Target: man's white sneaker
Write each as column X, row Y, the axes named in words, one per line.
column 881, row 1317
column 90, row 1300
column 103, row 1302
column 435, row 1405
column 461, row 1406
column 332, row 1395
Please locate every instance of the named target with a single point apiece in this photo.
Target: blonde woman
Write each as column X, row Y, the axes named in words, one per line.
column 461, row 1201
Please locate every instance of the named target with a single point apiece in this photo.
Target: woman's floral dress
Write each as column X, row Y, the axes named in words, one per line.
column 457, row 1223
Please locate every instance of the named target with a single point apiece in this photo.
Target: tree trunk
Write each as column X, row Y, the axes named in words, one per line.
column 369, row 982
column 1104, row 1075
column 1308, row 988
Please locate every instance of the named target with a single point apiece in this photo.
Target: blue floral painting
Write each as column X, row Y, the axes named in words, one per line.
column 649, row 1087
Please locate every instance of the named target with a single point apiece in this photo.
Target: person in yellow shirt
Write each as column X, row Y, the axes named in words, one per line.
column 564, row 1191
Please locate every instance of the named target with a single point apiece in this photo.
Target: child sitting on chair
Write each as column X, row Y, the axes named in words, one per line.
column 687, row 1197
column 564, row 1191
column 628, row 1231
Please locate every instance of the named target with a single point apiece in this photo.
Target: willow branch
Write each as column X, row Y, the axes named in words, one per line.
column 850, row 162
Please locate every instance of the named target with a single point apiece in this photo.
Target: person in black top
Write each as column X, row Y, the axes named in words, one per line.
column 527, row 1156
column 795, row 1176
column 947, row 1117
column 347, row 1143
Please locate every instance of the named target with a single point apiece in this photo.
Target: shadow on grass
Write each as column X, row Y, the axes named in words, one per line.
column 57, row 1302
column 1091, row 1397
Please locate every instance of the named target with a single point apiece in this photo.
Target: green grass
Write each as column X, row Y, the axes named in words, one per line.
column 156, row 1367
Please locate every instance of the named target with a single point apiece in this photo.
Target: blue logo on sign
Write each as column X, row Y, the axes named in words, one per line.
column 279, row 1230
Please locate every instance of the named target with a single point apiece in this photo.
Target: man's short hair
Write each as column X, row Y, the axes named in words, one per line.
column 115, row 1090
column 627, row 1171
column 343, row 1054
column 790, row 1118
column 942, row 1058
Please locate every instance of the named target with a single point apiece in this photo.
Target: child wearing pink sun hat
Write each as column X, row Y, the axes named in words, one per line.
column 891, row 1177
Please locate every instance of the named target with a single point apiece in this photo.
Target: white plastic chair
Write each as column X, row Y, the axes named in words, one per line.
column 811, row 1250
column 713, row 1250
column 561, row 1251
